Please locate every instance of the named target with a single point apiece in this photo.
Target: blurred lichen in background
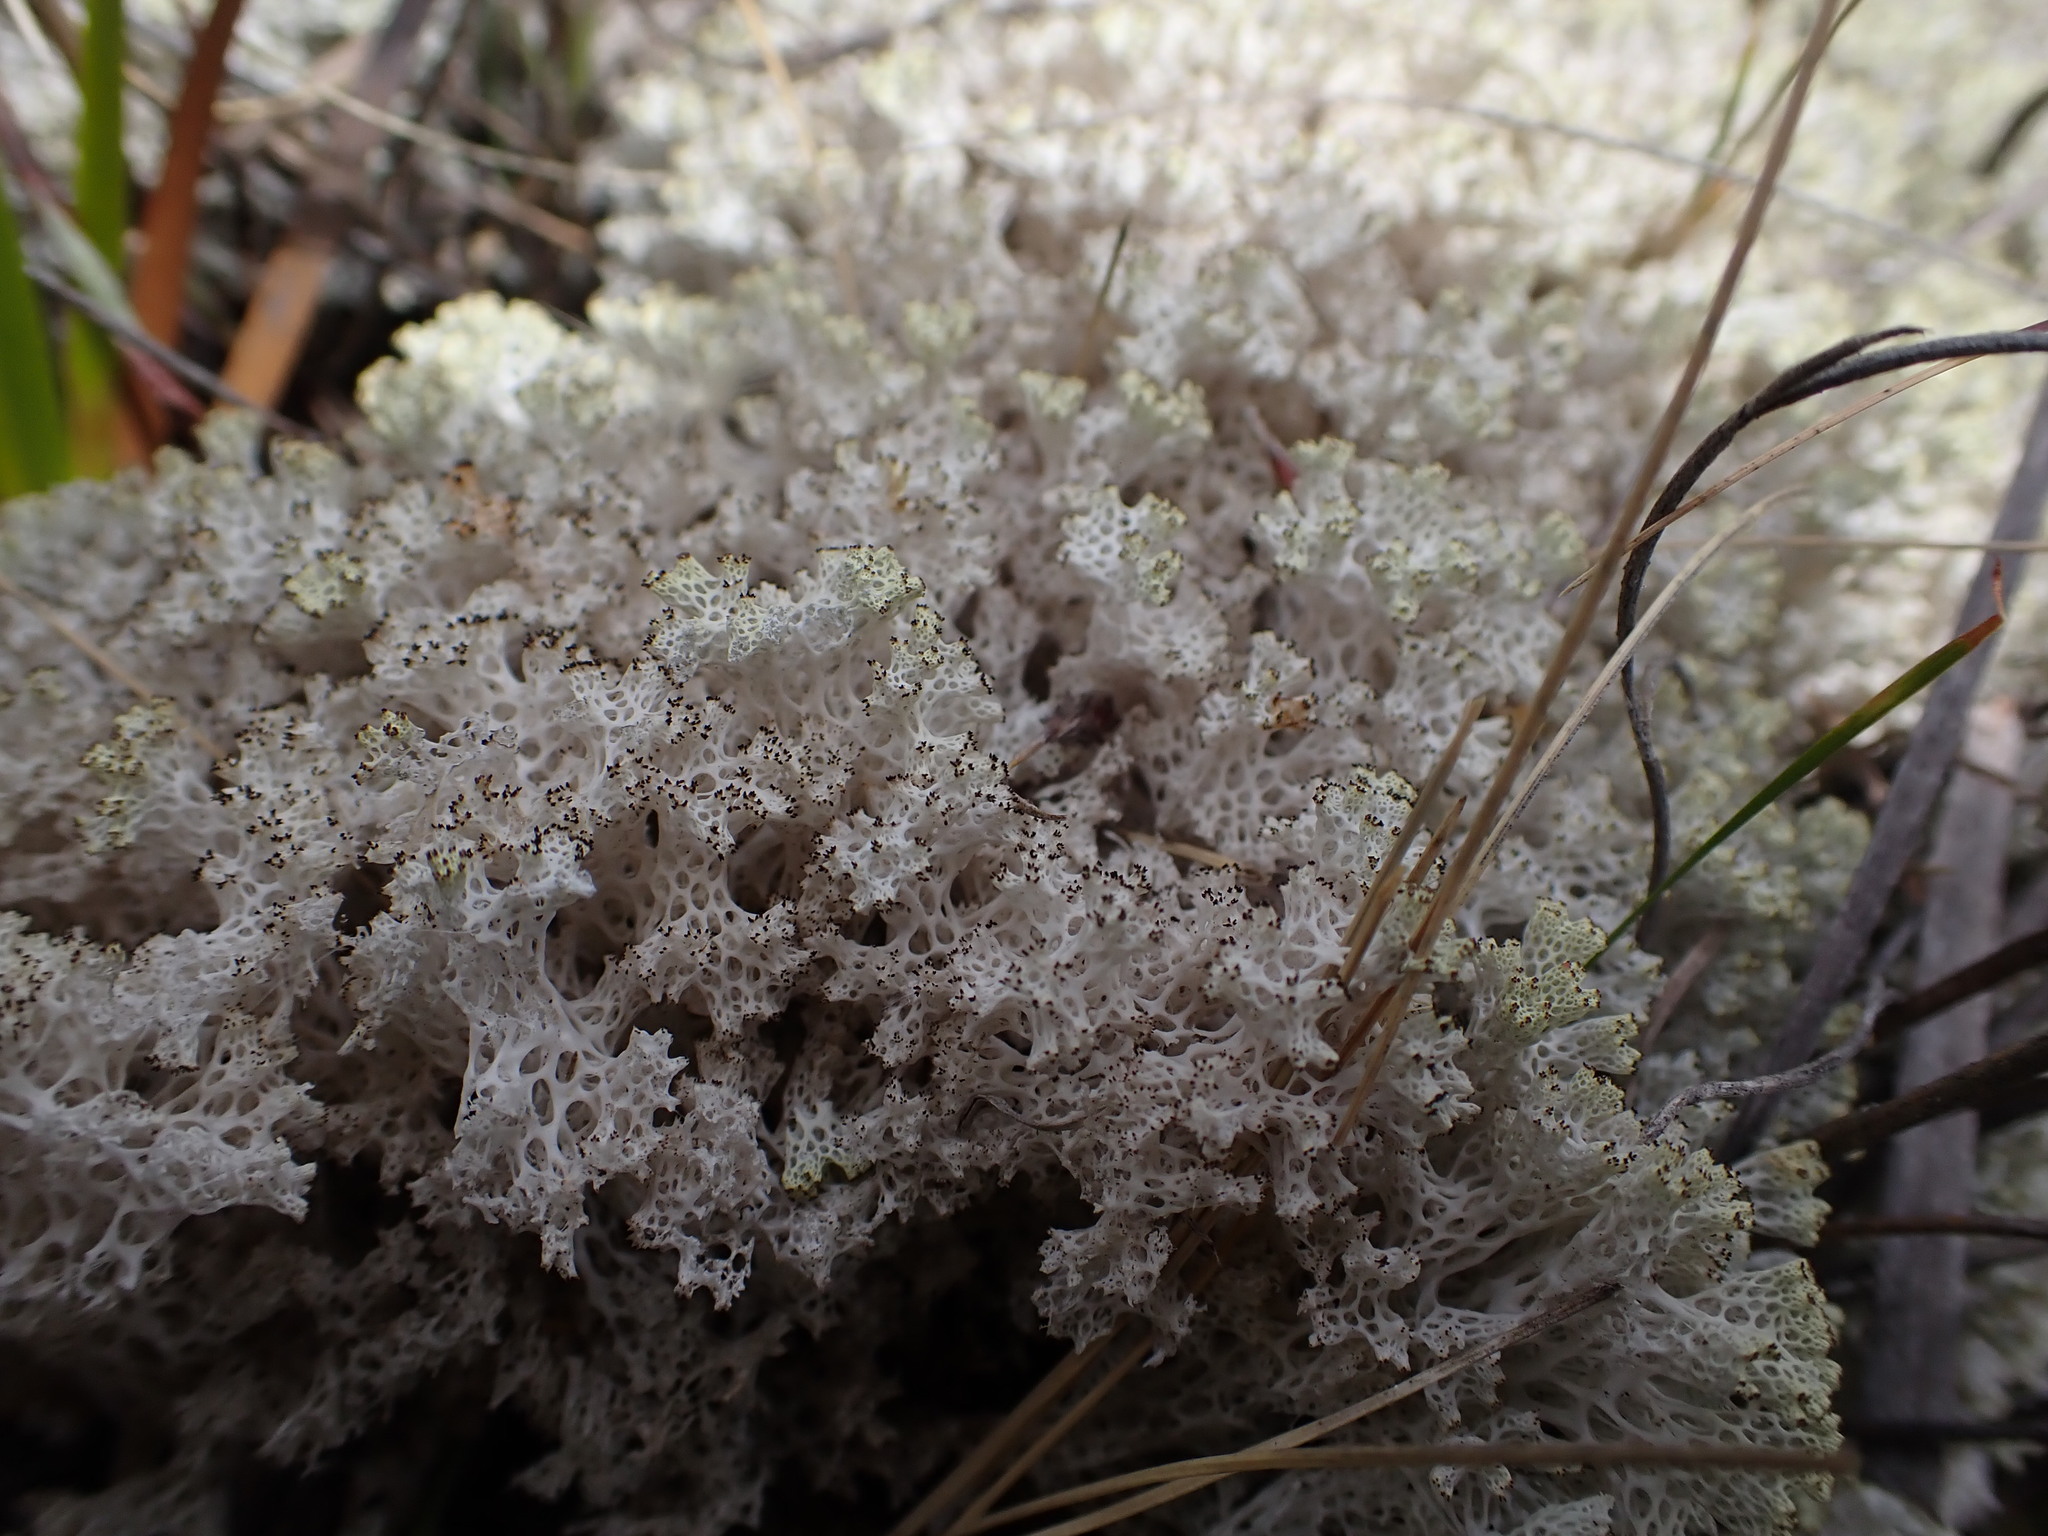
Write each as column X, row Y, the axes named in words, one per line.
column 636, row 922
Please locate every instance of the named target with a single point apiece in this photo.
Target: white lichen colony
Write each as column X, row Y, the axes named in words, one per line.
column 717, row 803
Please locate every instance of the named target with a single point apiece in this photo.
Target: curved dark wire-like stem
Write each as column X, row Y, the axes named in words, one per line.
column 1846, row 362
column 1655, row 781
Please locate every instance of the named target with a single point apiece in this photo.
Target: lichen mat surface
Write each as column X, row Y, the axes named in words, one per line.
column 695, row 943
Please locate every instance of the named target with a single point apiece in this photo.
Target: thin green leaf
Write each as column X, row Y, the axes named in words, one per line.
column 1872, row 710
column 92, row 375
column 32, row 448
column 101, row 198
column 102, row 187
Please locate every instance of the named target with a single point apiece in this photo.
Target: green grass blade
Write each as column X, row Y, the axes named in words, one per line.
column 32, row 448
column 1872, row 710
column 101, row 198
column 92, row 373
column 102, row 188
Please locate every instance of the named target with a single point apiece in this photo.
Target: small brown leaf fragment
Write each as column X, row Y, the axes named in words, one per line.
column 1290, row 714
column 483, row 516
column 1082, row 720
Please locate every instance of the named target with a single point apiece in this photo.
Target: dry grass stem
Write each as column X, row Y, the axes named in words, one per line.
column 970, row 1518
column 1387, row 879
column 1362, row 1030
column 1797, row 440
column 33, row 37
column 807, row 144
column 1705, row 950
column 99, row 657
column 508, row 207
column 285, row 299
column 1772, row 454
column 59, row 30
column 1190, row 1237
column 1194, row 853
column 976, row 1462
column 1179, row 1483
column 1397, row 997
column 127, row 335
column 1662, row 241
column 1483, row 836
column 1777, row 94
column 1623, row 653
column 1085, row 353
column 1418, row 872
column 1833, row 541
column 1533, row 1454
column 397, row 127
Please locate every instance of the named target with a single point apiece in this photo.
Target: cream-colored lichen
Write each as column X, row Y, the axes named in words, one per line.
column 714, row 829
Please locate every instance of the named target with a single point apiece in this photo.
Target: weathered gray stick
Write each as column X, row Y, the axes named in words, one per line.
column 1917, row 1318
column 2025, row 1014
column 1902, row 823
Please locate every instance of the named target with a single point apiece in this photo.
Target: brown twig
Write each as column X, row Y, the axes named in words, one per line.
column 2001, row 965
column 2013, row 1101
column 1981, row 1083
column 1953, row 1224
column 1921, row 1430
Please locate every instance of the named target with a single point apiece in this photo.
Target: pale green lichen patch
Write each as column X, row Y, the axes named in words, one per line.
column 330, row 580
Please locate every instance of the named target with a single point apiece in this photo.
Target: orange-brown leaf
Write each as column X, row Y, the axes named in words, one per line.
column 156, row 287
column 266, row 348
